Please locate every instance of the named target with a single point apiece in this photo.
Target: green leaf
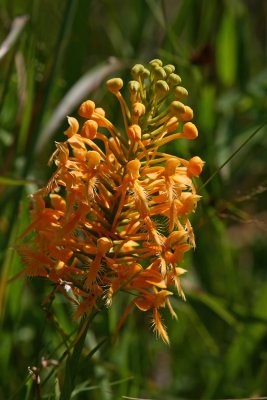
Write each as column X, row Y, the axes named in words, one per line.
column 216, row 305
column 14, row 182
column 226, row 49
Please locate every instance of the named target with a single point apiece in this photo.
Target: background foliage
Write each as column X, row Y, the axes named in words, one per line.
column 61, row 55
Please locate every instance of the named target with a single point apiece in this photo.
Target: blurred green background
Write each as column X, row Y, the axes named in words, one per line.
column 55, row 54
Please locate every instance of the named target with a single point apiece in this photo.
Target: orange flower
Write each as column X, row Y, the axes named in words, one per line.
column 94, row 227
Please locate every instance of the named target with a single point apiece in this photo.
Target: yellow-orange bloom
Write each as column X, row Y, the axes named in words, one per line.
column 94, row 228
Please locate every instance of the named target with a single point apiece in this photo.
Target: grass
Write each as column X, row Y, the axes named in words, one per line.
column 218, row 344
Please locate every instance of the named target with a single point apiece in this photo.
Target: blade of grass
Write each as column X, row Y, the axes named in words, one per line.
column 72, row 362
column 64, row 32
column 90, row 388
column 16, row 28
column 251, row 136
column 215, row 305
column 5, row 181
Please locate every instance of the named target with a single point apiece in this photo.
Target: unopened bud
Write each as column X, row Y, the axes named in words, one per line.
column 195, row 166
column 134, row 86
column 86, row 109
column 89, row 129
column 159, row 73
column 180, row 92
column 139, row 109
column 169, row 69
column 114, row 85
column 161, row 88
column 98, row 117
column 145, row 74
column 155, row 62
column 187, row 115
column 177, row 107
column 190, row 131
column 93, row 159
column 57, row 202
column 137, row 70
column 104, row 245
column 174, row 79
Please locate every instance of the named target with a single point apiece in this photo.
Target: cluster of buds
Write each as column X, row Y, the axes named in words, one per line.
column 95, row 226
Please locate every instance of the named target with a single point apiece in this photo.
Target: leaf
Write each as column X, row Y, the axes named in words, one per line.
column 251, row 136
column 15, row 182
column 226, row 49
column 216, row 305
column 14, row 34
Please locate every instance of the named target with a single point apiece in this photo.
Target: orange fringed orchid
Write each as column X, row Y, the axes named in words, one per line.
column 94, row 226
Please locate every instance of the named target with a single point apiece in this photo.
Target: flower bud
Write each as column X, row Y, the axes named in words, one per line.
column 93, row 159
column 187, row 115
column 159, row 73
column 155, row 62
column 169, row 69
column 138, row 109
column 114, row 85
column 134, row 86
column 145, row 73
column 137, row 70
column 195, row 166
column 177, row 107
column 190, row 131
column 57, row 202
column 86, row 109
column 89, row 129
column 100, row 111
column 161, row 88
column 180, row 92
column 98, row 117
column 174, row 79
column 104, row 245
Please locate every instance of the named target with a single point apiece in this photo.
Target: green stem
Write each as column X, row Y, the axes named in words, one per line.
column 233, row 154
column 72, row 362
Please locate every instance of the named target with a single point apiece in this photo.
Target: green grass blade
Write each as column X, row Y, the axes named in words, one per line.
column 251, row 136
column 14, row 34
column 5, row 181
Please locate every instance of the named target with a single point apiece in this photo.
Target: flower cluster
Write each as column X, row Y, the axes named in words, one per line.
column 95, row 229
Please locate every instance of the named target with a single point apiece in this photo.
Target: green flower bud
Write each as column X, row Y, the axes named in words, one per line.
column 177, row 107
column 161, row 88
column 145, row 73
column 137, row 70
column 134, row 86
column 155, row 62
column 174, row 79
column 159, row 73
column 114, row 85
column 169, row 69
column 180, row 92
